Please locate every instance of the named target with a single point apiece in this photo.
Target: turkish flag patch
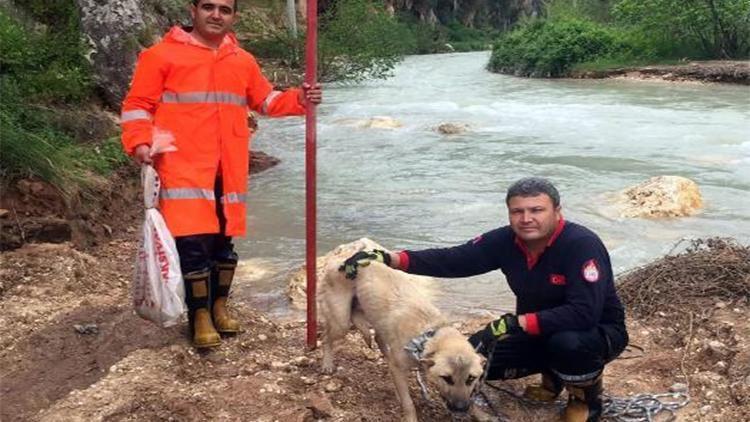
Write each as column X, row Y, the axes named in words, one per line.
column 557, row 279
column 590, row 271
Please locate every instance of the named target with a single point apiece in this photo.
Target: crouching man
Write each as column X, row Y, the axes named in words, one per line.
column 569, row 322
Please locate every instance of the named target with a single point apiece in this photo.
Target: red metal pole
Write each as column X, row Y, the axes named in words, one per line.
column 311, row 76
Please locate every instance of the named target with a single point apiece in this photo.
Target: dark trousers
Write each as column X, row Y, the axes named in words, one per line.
column 200, row 252
column 574, row 356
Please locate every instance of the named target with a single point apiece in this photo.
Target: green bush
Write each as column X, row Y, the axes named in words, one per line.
column 424, row 38
column 600, row 34
column 429, row 39
column 549, row 48
column 43, row 68
column 595, row 10
column 31, row 146
column 717, row 29
column 46, row 61
column 462, row 38
column 359, row 40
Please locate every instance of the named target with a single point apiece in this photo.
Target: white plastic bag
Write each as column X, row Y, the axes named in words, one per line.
column 158, row 291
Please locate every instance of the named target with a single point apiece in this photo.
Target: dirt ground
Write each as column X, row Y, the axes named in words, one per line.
column 725, row 71
column 71, row 349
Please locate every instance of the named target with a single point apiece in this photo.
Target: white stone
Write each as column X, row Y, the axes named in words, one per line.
column 662, row 196
column 332, row 386
column 279, row 365
column 302, row 361
column 381, row 122
column 717, row 347
column 678, row 388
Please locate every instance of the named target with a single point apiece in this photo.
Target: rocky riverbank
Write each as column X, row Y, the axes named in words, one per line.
column 73, row 350
column 735, row 72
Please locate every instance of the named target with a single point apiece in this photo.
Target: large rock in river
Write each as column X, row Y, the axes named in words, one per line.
column 449, row 128
column 662, row 196
column 260, row 161
column 296, row 288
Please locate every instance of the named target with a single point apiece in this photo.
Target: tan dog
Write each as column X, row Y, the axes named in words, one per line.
column 400, row 312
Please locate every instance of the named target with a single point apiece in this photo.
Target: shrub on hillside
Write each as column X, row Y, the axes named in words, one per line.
column 45, row 65
column 549, row 48
column 710, row 29
column 43, row 70
column 359, row 40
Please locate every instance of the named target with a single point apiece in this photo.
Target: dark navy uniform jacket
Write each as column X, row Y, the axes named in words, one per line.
column 569, row 287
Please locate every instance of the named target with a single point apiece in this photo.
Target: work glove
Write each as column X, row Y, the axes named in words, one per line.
column 497, row 330
column 363, row 259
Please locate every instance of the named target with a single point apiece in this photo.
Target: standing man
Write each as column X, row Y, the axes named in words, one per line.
column 569, row 321
column 195, row 86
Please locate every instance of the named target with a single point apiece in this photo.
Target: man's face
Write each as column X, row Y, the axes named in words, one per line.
column 533, row 218
column 212, row 19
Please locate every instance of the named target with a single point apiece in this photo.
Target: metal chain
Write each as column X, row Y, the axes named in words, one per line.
column 638, row 408
column 643, row 407
column 478, row 396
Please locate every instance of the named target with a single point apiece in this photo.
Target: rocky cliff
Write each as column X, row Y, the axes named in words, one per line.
column 117, row 31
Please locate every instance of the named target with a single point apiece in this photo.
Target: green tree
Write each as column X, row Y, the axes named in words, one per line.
column 359, row 40
column 718, row 28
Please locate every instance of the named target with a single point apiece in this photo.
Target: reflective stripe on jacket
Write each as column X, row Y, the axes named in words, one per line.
column 202, row 97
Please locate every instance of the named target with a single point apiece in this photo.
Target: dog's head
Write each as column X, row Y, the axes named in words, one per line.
column 454, row 369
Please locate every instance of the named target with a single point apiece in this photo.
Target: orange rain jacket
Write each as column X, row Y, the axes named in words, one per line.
column 201, row 96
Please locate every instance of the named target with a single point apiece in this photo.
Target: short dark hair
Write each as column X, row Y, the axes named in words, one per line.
column 236, row 4
column 533, row 186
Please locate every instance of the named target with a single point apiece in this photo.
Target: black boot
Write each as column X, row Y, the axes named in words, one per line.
column 584, row 401
column 202, row 331
column 221, row 283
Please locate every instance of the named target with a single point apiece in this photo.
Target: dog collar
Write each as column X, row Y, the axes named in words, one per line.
column 416, row 345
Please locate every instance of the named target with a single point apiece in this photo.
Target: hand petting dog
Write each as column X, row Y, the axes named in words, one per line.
column 363, row 259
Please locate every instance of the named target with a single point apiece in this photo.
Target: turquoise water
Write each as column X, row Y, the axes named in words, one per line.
column 410, row 187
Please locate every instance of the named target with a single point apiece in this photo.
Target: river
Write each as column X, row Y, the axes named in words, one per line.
column 411, row 187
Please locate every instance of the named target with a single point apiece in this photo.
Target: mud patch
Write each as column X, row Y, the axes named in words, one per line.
column 55, row 360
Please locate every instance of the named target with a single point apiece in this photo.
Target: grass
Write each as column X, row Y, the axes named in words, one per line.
column 43, row 73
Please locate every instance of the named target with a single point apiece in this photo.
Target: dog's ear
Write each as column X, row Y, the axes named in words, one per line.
column 427, row 360
column 427, row 363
